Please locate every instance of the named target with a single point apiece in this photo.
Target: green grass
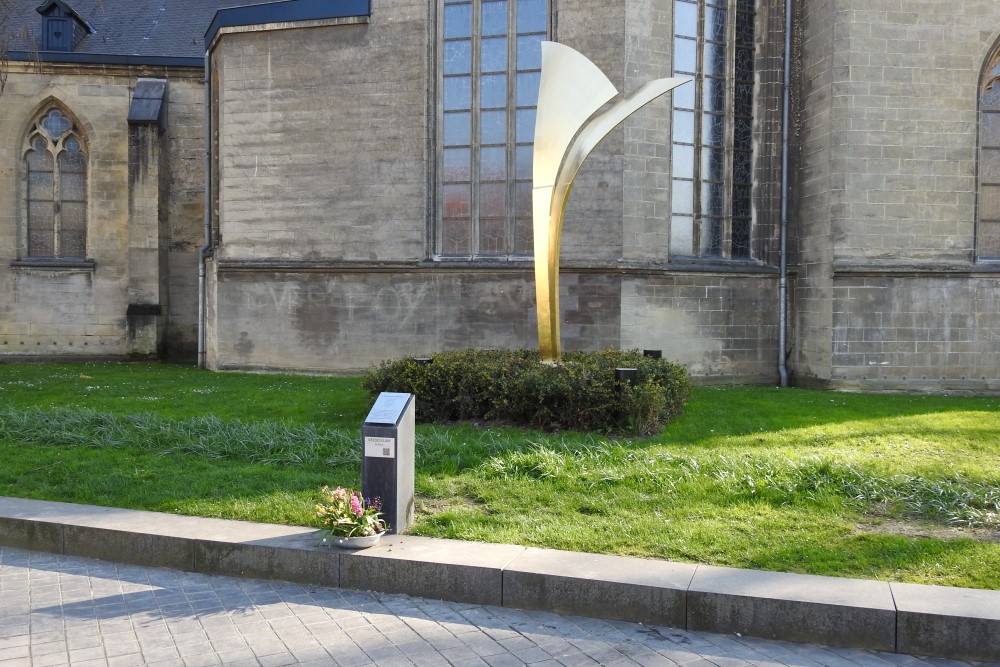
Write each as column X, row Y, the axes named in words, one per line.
column 897, row 487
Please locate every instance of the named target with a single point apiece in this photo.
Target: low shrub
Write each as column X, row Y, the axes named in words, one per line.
column 512, row 386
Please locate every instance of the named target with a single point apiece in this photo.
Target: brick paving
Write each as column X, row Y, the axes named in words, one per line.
column 67, row 611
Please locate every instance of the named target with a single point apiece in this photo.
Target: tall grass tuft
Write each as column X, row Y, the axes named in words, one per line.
column 266, row 442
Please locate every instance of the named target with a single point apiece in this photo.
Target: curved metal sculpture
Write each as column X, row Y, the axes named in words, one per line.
column 572, row 90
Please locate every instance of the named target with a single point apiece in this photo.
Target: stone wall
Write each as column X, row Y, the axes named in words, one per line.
column 326, row 168
column 886, row 187
column 323, row 149
column 82, row 311
column 916, row 332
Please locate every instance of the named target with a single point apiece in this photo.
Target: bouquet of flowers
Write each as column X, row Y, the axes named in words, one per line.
column 344, row 513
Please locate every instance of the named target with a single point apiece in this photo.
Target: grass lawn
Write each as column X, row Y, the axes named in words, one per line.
column 880, row 486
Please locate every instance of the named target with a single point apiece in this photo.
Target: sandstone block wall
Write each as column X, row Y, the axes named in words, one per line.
column 886, row 191
column 67, row 311
column 323, row 140
column 83, row 311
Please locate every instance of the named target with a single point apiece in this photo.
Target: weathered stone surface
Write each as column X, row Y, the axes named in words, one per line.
column 31, row 534
column 439, row 569
column 81, row 311
column 626, row 589
column 287, row 559
column 953, row 622
column 795, row 607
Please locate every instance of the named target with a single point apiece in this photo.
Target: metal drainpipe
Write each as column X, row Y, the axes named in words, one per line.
column 786, row 104
column 207, row 247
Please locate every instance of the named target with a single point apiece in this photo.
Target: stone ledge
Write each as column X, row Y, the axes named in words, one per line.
column 931, row 620
column 628, row 589
column 793, row 607
column 954, row 622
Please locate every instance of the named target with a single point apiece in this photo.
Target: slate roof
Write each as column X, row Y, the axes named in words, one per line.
column 140, row 28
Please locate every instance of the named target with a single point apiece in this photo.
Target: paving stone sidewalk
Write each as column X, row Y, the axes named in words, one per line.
column 64, row 610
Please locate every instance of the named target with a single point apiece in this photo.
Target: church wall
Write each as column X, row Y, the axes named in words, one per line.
column 326, row 254
column 65, row 311
column 815, row 188
column 183, row 198
column 721, row 327
column 81, row 311
column 890, row 296
column 917, row 332
column 324, row 144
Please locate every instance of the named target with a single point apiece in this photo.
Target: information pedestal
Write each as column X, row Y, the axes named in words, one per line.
column 387, row 457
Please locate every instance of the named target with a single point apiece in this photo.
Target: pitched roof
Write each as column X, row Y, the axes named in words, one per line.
column 138, row 28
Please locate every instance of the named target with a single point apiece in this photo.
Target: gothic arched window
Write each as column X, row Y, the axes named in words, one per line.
column 55, row 189
column 988, row 231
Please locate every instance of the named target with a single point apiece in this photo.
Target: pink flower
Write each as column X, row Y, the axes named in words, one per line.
column 356, row 504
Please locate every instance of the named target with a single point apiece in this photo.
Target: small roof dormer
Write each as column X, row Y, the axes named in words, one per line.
column 62, row 26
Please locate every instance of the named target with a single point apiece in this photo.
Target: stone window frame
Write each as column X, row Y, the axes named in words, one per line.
column 988, row 162
column 711, row 129
column 483, row 186
column 36, row 130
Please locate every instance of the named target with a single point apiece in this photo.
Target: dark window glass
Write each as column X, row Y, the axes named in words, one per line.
column 744, row 64
column 715, row 24
column 712, row 129
column 744, row 30
column 743, row 133
column 741, row 201
column 741, row 237
column 741, row 167
column 715, row 95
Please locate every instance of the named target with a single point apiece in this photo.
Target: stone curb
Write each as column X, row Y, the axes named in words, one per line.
column 905, row 618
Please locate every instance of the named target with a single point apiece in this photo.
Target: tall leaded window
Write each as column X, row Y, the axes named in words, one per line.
column 712, row 128
column 988, row 232
column 490, row 69
column 55, row 192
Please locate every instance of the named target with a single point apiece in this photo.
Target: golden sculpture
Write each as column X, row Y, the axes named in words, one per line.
column 567, row 128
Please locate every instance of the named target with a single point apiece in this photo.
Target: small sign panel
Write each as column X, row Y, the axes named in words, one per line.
column 388, row 408
column 380, row 448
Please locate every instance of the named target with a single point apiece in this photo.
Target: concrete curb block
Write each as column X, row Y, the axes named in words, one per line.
column 626, row 589
column 954, row 622
column 907, row 618
column 794, row 607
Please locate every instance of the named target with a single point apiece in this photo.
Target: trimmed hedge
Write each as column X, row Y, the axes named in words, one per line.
column 513, row 387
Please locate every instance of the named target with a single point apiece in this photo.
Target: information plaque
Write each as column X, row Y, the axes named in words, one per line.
column 387, row 446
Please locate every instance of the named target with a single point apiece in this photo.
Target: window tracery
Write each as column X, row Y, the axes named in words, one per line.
column 55, row 192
